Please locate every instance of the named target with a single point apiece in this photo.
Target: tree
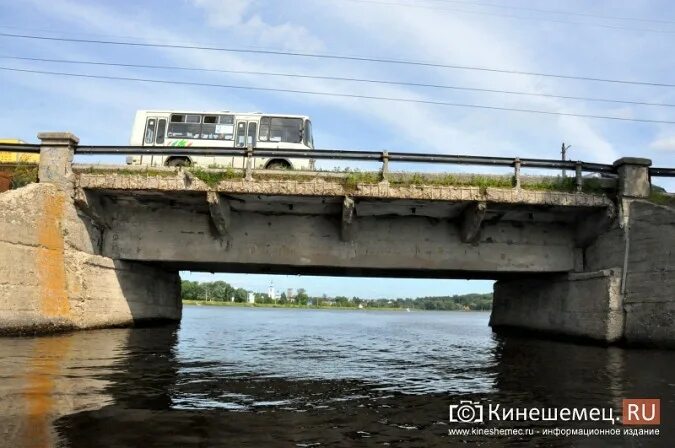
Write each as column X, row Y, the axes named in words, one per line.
column 192, row 290
column 220, row 291
column 302, row 296
column 240, row 295
column 342, row 301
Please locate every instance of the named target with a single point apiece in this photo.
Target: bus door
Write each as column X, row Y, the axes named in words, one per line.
column 155, row 134
column 247, row 132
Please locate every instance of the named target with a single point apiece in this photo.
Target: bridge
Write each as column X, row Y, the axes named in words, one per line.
column 93, row 246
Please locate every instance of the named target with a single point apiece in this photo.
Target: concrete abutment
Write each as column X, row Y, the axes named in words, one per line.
column 53, row 276
column 626, row 290
column 579, row 305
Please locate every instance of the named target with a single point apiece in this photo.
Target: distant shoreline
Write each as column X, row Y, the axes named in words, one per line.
column 305, row 307
column 287, row 305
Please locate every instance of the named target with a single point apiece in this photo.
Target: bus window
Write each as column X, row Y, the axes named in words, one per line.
column 286, row 130
column 150, row 131
column 264, row 129
column 218, row 127
column 309, row 138
column 184, row 126
column 252, row 127
column 226, row 126
column 241, row 134
column 161, row 131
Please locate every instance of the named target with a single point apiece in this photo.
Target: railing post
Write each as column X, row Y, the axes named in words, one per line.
column 579, row 180
column 516, row 168
column 385, row 165
column 249, row 163
column 56, row 159
column 633, row 176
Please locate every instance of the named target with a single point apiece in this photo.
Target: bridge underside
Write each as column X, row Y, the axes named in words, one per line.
column 333, row 271
column 337, row 236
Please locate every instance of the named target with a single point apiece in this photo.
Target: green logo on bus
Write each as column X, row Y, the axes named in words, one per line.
column 180, row 143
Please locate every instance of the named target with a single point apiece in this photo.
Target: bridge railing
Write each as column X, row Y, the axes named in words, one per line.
column 384, row 157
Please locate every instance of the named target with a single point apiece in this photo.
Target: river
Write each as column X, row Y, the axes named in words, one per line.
column 236, row 377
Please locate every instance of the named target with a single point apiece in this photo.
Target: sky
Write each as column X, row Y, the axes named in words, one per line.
column 629, row 40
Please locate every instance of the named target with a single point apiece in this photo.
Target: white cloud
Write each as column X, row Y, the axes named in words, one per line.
column 223, row 13
column 664, row 144
column 588, row 144
column 285, row 36
column 231, row 15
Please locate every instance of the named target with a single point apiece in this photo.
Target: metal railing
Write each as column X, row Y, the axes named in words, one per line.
column 365, row 156
column 662, row 172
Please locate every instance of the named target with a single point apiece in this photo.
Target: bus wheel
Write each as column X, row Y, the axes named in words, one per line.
column 178, row 161
column 278, row 164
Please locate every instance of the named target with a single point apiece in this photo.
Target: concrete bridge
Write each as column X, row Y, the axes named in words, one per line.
column 101, row 246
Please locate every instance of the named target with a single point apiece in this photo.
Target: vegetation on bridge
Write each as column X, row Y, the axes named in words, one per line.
column 213, row 177
column 351, row 179
column 659, row 196
column 18, row 175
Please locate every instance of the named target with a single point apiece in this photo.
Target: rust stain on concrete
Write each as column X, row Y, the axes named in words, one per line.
column 50, row 262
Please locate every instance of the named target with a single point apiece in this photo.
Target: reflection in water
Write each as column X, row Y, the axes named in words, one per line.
column 43, row 369
column 42, row 379
column 241, row 377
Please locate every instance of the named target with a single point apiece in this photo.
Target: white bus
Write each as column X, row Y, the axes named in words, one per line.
column 221, row 129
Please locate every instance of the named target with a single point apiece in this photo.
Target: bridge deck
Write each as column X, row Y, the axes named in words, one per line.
column 172, row 183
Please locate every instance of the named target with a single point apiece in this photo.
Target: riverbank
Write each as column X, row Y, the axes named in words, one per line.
column 313, row 307
column 285, row 305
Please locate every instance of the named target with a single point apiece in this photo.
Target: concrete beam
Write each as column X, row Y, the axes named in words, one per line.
column 347, row 228
column 412, row 246
column 471, row 221
column 221, row 214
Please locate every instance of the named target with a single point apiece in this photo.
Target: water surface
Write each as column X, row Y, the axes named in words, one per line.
column 295, row 378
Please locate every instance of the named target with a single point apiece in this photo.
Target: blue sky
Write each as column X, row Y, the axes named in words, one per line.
column 578, row 40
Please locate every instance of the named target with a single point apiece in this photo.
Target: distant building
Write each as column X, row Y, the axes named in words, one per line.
column 250, row 298
column 272, row 293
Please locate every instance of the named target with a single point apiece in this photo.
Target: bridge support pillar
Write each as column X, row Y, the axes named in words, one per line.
column 53, row 276
column 625, row 294
column 583, row 305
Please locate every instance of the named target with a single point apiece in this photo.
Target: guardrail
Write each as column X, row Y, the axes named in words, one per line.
column 383, row 156
column 662, row 172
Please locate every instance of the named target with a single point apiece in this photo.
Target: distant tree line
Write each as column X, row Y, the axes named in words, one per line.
column 221, row 291
column 216, row 291
column 474, row 302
